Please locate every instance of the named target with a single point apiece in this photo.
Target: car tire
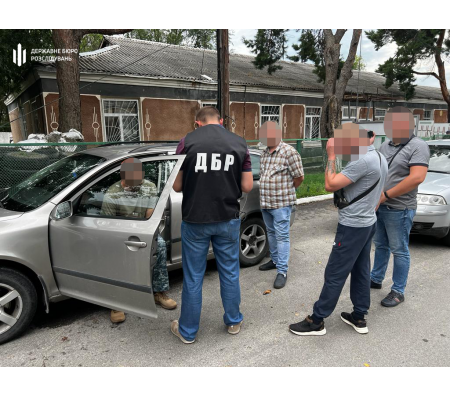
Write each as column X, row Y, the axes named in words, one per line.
column 446, row 239
column 252, row 248
column 22, row 308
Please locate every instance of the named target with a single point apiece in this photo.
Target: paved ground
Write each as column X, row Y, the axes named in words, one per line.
column 417, row 333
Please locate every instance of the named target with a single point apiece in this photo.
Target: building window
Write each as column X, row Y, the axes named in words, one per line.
column 345, row 114
column 121, row 120
column 379, row 114
column 270, row 113
column 312, row 122
column 427, row 115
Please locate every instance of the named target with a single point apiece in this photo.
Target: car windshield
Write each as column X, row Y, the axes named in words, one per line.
column 46, row 183
column 439, row 159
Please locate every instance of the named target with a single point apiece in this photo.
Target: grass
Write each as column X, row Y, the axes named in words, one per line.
column 313, row 185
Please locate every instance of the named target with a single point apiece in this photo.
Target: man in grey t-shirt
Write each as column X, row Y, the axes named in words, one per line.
column 408, row 158
column 366, row 173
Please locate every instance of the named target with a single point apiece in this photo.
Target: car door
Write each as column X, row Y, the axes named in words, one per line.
column 108, row 259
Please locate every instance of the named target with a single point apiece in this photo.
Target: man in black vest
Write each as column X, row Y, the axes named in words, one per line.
column 216, row 170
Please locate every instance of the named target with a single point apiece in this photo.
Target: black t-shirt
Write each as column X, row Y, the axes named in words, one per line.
column 212, row 173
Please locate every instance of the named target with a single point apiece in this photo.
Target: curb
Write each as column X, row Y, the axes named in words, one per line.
column 314, row 199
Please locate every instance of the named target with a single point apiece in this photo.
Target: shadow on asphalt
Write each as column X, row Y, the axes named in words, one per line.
column 71, row 310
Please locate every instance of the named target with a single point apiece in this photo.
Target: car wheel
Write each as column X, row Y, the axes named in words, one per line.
column 18, row 304
column 446, row 239
column 253, row 243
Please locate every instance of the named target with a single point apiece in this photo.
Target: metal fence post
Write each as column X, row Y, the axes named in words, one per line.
column 299, row 146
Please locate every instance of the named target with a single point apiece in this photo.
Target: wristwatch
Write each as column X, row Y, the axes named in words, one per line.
column 387, row 196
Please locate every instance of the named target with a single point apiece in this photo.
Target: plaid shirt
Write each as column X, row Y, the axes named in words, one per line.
column 278, row 170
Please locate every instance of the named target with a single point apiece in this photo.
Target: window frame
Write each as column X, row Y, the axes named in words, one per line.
column 76, row 197
column 105, row 114
column 265, row 115
column 312, row 116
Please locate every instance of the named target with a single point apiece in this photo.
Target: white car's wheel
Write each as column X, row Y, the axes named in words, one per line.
column 18, row 303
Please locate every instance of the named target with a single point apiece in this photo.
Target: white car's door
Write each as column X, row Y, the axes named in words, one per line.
column 108, row 260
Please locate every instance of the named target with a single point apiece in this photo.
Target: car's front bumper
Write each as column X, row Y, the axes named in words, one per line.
column 432, row 220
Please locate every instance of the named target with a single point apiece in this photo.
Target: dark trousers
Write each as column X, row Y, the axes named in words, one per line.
column 350, row 255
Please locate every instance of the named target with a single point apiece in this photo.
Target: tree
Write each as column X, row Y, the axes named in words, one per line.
column 91, row 42
column 12, row 76
column 413, row 47
column 269, row 46
column 68, row 74
column 359, row 63
column 322, row 47
column 197, row 38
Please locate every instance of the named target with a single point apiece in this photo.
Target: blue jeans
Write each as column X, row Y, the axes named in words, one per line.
column 277, row 223
column 195, row 239
column 392, row 235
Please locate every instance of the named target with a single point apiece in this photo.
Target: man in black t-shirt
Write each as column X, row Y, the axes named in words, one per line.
column 216, row 170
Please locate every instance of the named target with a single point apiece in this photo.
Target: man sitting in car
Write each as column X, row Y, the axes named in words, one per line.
column 136, row 197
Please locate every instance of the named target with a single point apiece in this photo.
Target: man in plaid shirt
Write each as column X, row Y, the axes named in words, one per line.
column 281, row 175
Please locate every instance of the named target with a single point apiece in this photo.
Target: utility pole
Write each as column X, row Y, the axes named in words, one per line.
column 223, row 76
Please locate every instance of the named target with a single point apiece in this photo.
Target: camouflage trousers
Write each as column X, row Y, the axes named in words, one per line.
column 160, row 274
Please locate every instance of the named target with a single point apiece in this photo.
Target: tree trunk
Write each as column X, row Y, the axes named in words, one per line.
column 68, row 74
column 68, row 79
column 334, row 89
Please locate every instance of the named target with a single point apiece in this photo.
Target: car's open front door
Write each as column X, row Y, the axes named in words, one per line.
column 108, row 259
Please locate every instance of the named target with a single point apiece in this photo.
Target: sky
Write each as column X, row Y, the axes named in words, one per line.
column 371, row 57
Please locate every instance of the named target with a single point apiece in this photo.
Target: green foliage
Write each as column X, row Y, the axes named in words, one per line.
column 197, row 38
column 91, row 42
column 11, row 75
column 359, row 63
column 313, row 185
column 269, row 46
column 413, row 46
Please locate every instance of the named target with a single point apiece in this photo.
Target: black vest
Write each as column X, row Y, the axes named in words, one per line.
column 212, row 173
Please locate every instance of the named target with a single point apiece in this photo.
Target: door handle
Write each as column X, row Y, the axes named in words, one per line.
column 138, row 244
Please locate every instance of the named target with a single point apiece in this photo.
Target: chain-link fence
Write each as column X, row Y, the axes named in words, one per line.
column 19, row 161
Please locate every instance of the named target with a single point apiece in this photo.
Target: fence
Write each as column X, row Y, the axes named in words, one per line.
column 19, row 161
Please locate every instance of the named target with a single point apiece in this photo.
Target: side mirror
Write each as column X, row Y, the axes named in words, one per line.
column 61, row 211
column 256, row 176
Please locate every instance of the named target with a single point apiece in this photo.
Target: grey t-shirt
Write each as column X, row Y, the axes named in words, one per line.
column 415, row 153
column 363, row 173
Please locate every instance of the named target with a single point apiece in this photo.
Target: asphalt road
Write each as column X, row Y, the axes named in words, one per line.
column 416, row 333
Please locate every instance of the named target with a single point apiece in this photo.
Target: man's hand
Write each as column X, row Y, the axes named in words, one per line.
column 149, row 213
column 382, row 200
column 330, row 149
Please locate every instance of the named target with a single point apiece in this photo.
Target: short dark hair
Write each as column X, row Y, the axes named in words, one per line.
column 207, row 112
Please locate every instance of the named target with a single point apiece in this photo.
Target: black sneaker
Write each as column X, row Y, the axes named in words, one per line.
column 392, row 299
column 280, row 281
column 268, row 266
column 307, row 327
column 359, row 326
column 374, row 285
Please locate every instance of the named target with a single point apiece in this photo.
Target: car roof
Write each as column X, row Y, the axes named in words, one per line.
column 119, row 150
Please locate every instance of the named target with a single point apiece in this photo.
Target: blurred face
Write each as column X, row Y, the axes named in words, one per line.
column 131, row 173
column 270, row 134
column 350, row 142
column 399, row 126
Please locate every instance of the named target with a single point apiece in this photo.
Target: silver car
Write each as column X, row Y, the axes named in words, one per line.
column 433, row 199
column 55, row 242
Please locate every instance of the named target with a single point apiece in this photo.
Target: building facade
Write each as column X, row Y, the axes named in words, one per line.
column 133, row 90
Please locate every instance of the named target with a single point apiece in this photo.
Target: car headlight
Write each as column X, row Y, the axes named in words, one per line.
column 433, row 200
